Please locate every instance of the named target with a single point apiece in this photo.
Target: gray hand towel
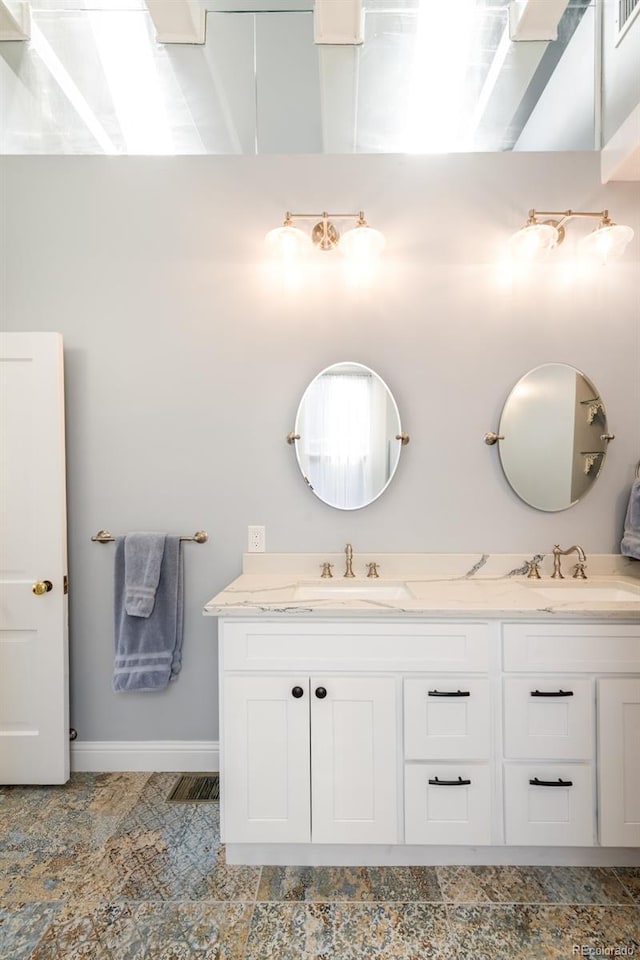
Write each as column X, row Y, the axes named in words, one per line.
column 148, row 650
column 143, row 554
column 630, row 545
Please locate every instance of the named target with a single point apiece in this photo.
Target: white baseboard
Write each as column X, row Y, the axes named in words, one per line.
column 156, row 756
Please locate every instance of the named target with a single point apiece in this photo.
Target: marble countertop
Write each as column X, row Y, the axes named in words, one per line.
column 430, row 585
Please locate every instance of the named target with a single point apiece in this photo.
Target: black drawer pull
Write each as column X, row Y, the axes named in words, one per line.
column 550, row 783
column 321, row 693
column 297, row 692
column 552, row 693
column 449, row 783
column 448, row 693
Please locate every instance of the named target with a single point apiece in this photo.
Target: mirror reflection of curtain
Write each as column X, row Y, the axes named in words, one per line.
column 336, row 438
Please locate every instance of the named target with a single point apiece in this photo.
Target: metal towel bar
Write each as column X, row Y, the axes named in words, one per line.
column 105, row 536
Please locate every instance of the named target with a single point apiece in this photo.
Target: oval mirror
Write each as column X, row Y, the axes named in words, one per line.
column 553, row 436
column 348, row 436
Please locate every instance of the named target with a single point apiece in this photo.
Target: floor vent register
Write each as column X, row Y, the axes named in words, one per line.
column 196, row 788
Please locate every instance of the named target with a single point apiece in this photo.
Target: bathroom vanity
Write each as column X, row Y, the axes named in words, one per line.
column 450, row 712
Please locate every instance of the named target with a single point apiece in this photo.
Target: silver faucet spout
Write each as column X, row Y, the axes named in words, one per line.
column 348, row 551
column 582, row 559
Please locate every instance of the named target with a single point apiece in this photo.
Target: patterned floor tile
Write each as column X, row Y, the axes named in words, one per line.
column 581, row 885
column 349, row 883
column 332, row 931
column 531, row 885
column 526, row 931
column 174, row 931
column 164, row 851
column 489, row 885
column 20, row 806
column 45, row 869
column 21, row 927
column 86, row 809
column 105, row 868
column 630, row 879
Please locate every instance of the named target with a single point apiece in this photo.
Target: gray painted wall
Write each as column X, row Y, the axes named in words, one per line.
column 185, row 364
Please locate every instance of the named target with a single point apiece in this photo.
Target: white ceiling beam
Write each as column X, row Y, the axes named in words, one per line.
column 509, row 76
column 620, row 157
column 178, row 21
column 535, row 19
column 338, row 21
column 339, row 73
column 15, row 20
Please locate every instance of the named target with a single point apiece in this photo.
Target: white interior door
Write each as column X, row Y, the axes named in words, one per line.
column 34, row 674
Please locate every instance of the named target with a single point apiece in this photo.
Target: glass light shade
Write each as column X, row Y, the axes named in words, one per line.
column 606, row 243
column 288, row 243
column 362, row 243
column 534, row 241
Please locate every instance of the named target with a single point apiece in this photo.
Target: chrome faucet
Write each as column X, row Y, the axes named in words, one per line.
column 579, row 573
column 348, row 552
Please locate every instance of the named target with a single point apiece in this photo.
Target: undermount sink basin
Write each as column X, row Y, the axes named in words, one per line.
column 587, row 592
column 352, row 590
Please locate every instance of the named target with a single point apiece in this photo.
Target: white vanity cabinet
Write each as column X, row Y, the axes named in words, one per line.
column 312, row 731
column 394, row 734
column 558, row 680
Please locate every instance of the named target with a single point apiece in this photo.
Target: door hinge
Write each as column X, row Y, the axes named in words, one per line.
column 65, row 584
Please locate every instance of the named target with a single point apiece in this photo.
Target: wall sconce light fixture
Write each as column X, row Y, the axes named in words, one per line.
column 538, row 237
column 359, row 242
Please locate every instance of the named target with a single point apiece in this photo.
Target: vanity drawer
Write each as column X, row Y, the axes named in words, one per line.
column 549, row 717
column 585, row 648
column 556, row 809
column 354, row 645
column 446, row 717
column 448, row 803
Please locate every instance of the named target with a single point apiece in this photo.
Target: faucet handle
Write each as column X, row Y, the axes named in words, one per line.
column 533, row 573
column 579, row 573
column 372, row 569
column 326, row 570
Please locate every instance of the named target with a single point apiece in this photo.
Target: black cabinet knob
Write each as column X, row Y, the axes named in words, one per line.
column 321, row 693
column 297, row 692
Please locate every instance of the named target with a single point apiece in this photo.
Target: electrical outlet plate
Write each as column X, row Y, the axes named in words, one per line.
column 256, row 539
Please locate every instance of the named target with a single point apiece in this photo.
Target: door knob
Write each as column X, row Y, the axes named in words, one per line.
column 297, row 692
column 321, row 693
column 42, row 586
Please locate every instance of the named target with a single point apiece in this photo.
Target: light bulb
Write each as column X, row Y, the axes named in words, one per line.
column 534, row 241
column 606, row 242
column 362, row 243
column 288, row 242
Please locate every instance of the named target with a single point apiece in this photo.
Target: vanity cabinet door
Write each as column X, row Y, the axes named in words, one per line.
column 353, row 759
column 266, row 759
column 619, row 761
column 446, row 718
